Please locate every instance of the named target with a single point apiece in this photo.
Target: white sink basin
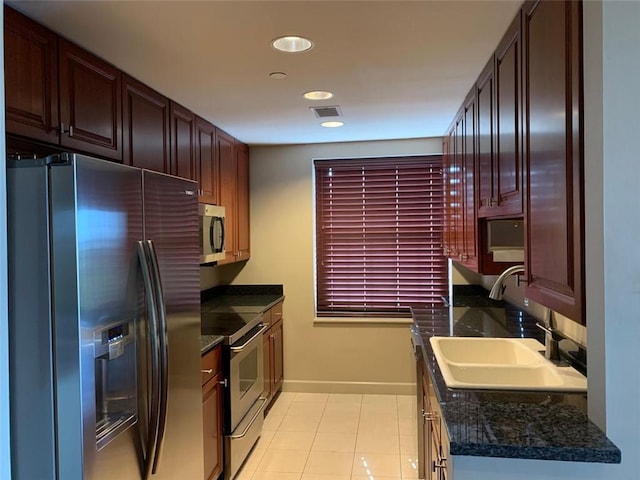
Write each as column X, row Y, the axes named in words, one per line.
column 502, row 364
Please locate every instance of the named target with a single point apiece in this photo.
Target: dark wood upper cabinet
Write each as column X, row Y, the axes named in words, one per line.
column 508, row 151
column 90, row 102
column 207, row 167
column 485, row 129
column 469, row 256
column 554, row 156
column 242, row 232
column 447, row 243
column 228, row 196
column 31, row 78
column 450, row 179
column 183, row 137
column 457, row 200
column 145, row 126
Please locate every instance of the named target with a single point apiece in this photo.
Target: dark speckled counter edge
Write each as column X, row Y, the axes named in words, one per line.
column 207, row 342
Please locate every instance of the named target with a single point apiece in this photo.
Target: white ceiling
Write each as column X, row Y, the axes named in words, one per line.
column 399, row 69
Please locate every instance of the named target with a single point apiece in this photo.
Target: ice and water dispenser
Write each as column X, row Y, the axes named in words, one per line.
column 115, row 380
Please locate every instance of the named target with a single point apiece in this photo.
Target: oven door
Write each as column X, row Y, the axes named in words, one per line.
column 246, row 374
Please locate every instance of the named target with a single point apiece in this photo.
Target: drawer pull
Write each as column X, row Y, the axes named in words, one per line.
column 207, row 371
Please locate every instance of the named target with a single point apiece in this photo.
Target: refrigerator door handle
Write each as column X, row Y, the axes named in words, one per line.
column 164, row 351
column 152, row 322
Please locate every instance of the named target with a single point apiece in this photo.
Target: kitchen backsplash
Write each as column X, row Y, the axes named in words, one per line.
column 515, row 294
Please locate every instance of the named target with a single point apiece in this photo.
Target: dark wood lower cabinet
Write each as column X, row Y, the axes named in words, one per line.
column 436, row 439
column 273, row 353
column 212, row 398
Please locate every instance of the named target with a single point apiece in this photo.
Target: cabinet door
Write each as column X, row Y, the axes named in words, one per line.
column 457, row 199
column 90, row 100
column 145, row 126
column 242, row 233
column 228, row 195
column 183, row 127
column 277, row 355
column 212, row 425
column 450, row 177
column 485, row 134
column 206, row 161
column 508, row 173
column 446, row 231
column 31, row 78
column 552, row 35
column 268, row 366
column 469, row 256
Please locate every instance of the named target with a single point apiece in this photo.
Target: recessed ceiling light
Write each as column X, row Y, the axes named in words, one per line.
column 318, row 95
column 332, row 124
column 278, row 75
column 292, row 44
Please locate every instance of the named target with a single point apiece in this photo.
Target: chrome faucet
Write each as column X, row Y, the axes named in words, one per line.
column 498, row 288
column 552, row 338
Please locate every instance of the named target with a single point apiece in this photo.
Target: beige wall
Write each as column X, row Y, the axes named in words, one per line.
column 318, row 357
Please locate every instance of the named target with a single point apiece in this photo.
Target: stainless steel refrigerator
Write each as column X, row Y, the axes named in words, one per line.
column 104, row 319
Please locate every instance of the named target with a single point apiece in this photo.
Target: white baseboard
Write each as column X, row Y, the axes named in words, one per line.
column 309, row 386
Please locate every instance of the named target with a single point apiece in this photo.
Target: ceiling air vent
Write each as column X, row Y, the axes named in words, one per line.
column 327, row 112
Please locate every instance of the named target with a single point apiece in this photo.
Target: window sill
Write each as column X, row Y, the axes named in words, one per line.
column 363, row 321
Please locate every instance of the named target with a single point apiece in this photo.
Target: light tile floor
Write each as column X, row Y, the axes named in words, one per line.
column 314, row 436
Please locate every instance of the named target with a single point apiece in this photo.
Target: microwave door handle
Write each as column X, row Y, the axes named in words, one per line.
column 223, row 234
column 152, row 339
column 212, row 240
column 164, row 352
column 220, row 247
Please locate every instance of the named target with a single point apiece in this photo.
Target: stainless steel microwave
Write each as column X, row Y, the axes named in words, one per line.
column 212, row 233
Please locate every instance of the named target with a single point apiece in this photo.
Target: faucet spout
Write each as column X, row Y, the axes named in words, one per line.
column 498, row 288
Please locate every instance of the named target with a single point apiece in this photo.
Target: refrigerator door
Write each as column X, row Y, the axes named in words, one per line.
column 75, row 301
column 96, row 220
column 171, row 225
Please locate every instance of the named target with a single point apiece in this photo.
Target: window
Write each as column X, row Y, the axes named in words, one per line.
column 379, row 229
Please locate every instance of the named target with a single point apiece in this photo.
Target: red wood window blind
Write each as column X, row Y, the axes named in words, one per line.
column 379, row 225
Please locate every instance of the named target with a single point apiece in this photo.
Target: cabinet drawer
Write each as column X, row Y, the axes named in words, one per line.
column 211, row 364
column 276, row 312
column 266, row 318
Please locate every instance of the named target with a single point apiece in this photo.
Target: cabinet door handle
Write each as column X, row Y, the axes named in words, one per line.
column 71, row 130
column 207, row 371
column 224, row 383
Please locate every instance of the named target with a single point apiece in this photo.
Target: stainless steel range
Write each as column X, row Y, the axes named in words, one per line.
column 243, row 366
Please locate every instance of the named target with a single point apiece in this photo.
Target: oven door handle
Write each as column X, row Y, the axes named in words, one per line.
column 253, row 419
column 240, row 348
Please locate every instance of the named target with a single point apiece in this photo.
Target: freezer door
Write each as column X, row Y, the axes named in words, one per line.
column 171, row 224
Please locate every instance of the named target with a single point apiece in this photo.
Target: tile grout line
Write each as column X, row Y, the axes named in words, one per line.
column 314, row 437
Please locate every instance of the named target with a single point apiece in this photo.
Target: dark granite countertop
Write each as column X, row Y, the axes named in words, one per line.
column 217, row 303
column 240, row 298
column 207, row 342
column 493, row 423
